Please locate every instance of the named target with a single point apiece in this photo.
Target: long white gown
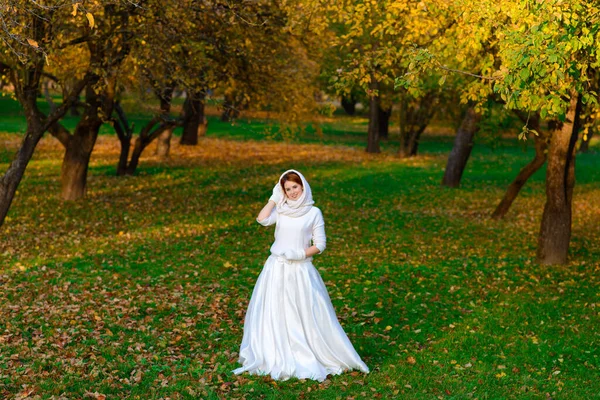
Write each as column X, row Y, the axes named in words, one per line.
column 291, row 329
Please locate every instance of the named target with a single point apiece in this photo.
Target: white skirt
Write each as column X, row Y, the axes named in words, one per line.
column 291, row 329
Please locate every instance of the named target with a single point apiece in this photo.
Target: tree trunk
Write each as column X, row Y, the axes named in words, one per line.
column 404, row 151
column 48, row 96
column 384, row 122
column 124, row 133
column 541, row 145
column 414, row 116
column 373, row 131
column 76, row 162
column 138, row 148
column 163, row 144
column 145, row 138
column 404, row 125
column 555, row 230
column 80, row 146
column 412, row 140
column 349, row 105
column 163, row 141
column 123, row 156
column 147, row 135
column 11, row 179
column 463, row 144
column 74, row 112
column 194, row 121
column 415, row 140
column 77, row 158
column 409, row 141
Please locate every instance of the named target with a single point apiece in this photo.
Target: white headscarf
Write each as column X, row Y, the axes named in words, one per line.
column 300, row 206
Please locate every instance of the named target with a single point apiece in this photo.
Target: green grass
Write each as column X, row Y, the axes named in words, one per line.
column 139, row 290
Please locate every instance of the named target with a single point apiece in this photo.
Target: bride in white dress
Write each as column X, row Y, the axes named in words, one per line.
column 291, row 329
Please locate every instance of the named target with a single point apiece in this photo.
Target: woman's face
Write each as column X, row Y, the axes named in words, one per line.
column 293, row 190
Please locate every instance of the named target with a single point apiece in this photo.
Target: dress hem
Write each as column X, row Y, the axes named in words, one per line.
column 279, row 377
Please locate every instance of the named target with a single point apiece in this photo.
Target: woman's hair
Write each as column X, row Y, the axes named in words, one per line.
column 290, row 176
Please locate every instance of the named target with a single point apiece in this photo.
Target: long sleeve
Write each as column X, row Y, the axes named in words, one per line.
column 270, row 220
column 318, row 232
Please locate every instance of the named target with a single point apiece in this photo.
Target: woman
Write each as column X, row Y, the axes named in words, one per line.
column 290, row 328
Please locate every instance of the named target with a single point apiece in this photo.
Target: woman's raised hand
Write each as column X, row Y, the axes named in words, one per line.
column 277, row 194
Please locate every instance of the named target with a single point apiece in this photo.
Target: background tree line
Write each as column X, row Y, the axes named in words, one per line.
column 538, row 60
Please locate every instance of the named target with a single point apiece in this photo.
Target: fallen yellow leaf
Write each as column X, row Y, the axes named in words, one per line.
column 90, row 18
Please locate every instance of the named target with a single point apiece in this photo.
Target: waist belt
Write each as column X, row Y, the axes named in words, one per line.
column 284, row 260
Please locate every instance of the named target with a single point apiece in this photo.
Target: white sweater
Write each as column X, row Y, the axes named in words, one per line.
column 297, row 233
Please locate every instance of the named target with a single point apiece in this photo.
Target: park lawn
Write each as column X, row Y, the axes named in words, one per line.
column 139, row 291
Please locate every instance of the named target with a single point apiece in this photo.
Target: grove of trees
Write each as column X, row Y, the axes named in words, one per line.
column 536, row 59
